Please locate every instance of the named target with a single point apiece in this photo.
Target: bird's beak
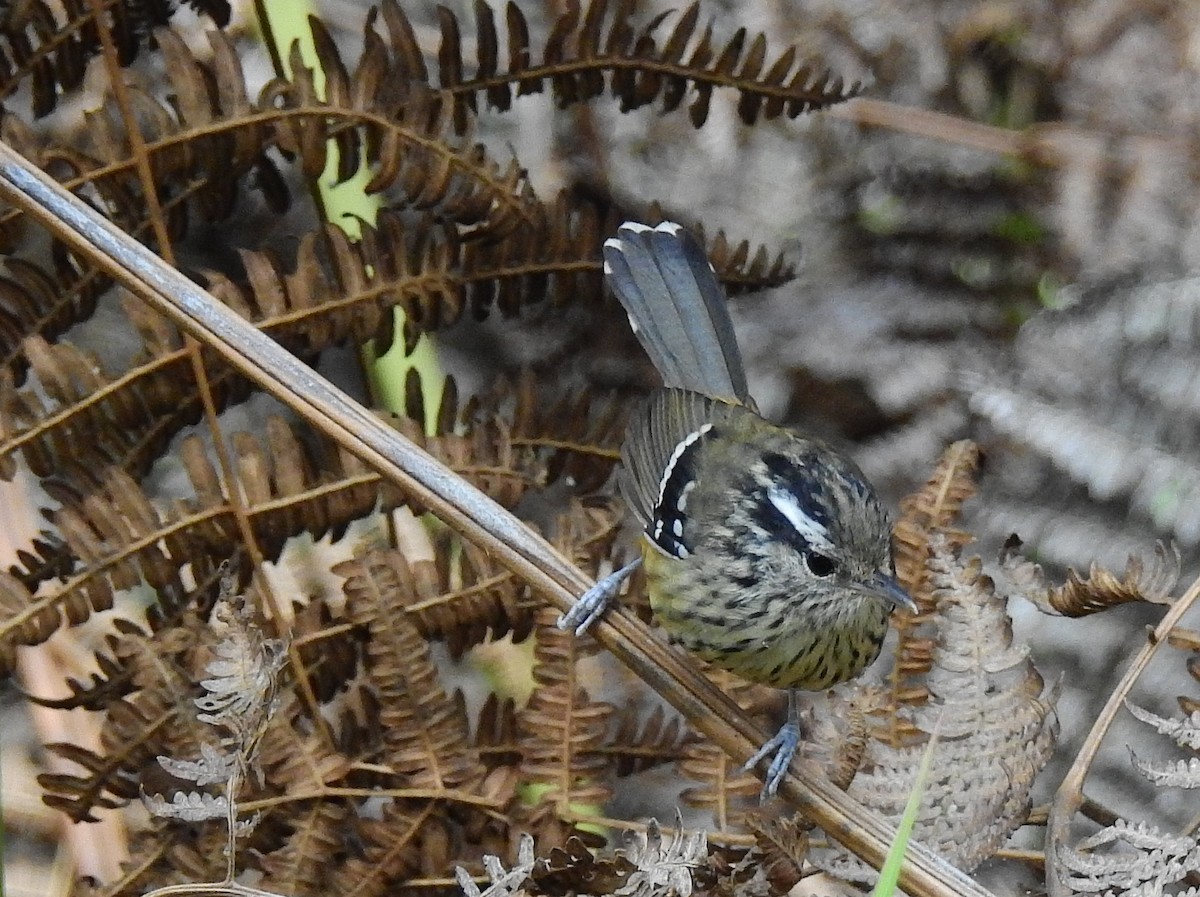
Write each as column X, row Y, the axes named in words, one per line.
column 884, row 586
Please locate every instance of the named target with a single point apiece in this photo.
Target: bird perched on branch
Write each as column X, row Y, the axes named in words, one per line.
column 766, row 552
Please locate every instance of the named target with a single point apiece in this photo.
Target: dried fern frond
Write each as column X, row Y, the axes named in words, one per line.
column 664, row 865
column 1100, row 590
column 780, row 849
column 582, row 48
column 504, row 882
column 1108, row 461
column 561, row 729
column 1152, row 861
column 389, row 852
column 1138, row 857
column 995, row 721
column 49, row 46
column 932, row 509
column 123, row 538
column 299, row 865
column 643, row 742
column 426, row 736
column 156, row 718
column 925, row 515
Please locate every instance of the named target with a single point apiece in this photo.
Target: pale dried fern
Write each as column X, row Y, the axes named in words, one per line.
column 239, row 697
column 665, row 866
column 1136, row 857
column 504, row 882
column 996, row 728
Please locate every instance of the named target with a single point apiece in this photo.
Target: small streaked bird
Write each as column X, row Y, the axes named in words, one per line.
column 766, row 552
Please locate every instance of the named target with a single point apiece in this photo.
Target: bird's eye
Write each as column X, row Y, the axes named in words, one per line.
column 820, row 565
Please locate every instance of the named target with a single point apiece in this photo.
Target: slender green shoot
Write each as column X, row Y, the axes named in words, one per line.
column 889, row 875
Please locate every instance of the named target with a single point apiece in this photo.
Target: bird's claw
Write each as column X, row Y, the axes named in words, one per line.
column 781, row 749
column 595, row 601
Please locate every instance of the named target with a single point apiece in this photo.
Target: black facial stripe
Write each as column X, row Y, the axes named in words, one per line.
column 668, row 527
column 799, row 482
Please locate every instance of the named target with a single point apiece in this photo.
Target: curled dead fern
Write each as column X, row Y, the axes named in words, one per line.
column 1101, row 589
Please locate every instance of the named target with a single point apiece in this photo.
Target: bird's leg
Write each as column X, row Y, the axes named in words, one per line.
column 596, row 600
column 781, row 749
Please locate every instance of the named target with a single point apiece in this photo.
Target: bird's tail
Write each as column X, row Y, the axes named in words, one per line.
column 677, row 308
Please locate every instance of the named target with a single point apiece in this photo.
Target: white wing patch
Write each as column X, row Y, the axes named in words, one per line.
column 675, row 456
column 812, row 531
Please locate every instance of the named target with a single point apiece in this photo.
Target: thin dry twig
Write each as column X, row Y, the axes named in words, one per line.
column 1069, row 797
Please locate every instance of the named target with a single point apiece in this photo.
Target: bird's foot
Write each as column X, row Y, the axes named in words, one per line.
column 595, row 601
column 781, row 749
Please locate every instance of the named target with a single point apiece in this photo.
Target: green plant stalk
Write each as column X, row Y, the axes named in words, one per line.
column 285, row 24
column 889, row 874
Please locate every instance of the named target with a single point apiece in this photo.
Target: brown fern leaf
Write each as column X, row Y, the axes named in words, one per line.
column 561, row 729
column 155, row 720
column 426, row 733
column 1101, row 589
column 121, row 539
column 327, row 661
column 573, row 869
column 725, row 789
column 201, row 859
column 582, row 48
column 147, row 864
column 294, row 759
column 390, row 852
column 338, row 289
column 157, row 856
column 642, row 741
column 743, row 272
column 302, row 865
column 463, row 597
column 851, row 739
column 496, row 737
column 27, row 621
column 994, row 717
column 34, row 301
column 927, row 513
column 555, row 258
column 574, row 436
column 78, row 419
column 49, row 46
column 212, row 118
column 109, row 682
column 933, row 507
column 781, row 846
column 127, row 420
column 42, row 560
column 722, row 786
column 407, row 132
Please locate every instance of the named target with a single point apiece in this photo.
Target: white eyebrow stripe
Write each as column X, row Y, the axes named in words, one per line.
column 676, row 455
column 814, row 533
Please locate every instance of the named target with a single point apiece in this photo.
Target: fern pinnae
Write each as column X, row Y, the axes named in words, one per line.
column 996, row 723
column 238, row 699
column 561, row 726
column 426, row 731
